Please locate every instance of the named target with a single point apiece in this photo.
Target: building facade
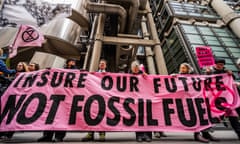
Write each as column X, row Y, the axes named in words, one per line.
column 119, row 31
column 184, row 25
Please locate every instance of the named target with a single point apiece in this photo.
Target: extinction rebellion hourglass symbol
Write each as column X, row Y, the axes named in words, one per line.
column 30, row 35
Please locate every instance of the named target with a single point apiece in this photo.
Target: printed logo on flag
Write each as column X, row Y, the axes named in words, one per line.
column 30, row 35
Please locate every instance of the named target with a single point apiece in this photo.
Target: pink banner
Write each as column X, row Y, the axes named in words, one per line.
column 204, row 56
column 60, row 99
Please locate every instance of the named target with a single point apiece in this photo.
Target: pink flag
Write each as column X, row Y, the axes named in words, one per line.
column 26, row 36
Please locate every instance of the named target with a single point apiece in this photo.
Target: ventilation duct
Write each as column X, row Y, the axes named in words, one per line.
column 143, row 4
column 109, row 9
column 63, row 34
column 132, row 13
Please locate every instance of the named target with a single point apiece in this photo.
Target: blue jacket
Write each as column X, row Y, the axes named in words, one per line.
column 4, row 69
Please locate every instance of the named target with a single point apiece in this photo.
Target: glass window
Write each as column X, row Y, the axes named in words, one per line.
column 179, row 55
column 195, row 14
column 234, row 50
column 173, row 52
column 177, row 8
column 216, row 48
column 211, row 40
column 164, row 17
column 194, row 10
column 172, row 69
column 228, row 61
column 220, row 54
column 164, row 48
column 196, row 39
column 205, row 30
column 140, row 50
column 188, row 5
column 231, row 67
column 236, row 54
column 228, row 42
column 218, row 30
column 221, row 32
column 209, row 16
column 168, row 57
column 223, row 43
column 181, row 13
column 190, row 29
column 176, row 47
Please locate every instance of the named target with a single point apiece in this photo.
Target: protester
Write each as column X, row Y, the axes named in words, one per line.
column 21, row 67
column 90, row 136
column 70, row 64
column 33, row 67
column 219, row 68
column 59, row 135
column 4, row 70
column 140, row 135
column 3, row 67
column 102, row 67
column 186, row 68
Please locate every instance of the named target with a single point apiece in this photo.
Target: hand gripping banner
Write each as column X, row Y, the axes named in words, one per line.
column 61, row 99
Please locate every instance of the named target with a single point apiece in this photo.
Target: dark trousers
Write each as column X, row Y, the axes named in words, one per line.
column 141, row 134
column 238, row 109
column 235, row 124
column 234, row 121
column 7, row 134
column 100, row 133
column 58, row 134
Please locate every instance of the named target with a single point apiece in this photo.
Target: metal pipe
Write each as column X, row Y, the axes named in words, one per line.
column 97, row 47
column 143, row 4
column 1, row 4
column 148, row 50
column 228, row 15
column 129, row 41
column 159, row 58
column 88, row 54
column 132, row 12
column 108, row 8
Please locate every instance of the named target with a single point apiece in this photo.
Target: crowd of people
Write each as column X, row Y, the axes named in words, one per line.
column 185, row 68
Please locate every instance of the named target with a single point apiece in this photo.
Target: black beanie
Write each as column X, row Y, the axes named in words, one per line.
column 220, row 61
column 68, row 60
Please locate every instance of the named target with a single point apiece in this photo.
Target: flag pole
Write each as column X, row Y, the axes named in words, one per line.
column 15, row 39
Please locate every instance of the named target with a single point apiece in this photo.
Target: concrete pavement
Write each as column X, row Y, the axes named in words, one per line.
column 226, row 137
